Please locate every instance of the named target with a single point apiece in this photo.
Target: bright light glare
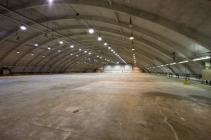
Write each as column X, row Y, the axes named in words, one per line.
column 50, row 2
column 201, row 58
column 105, row 44
column 99, row 38
column 172, row 63
column 131, row 38
column 61, row 42
column 72, row 46
column 23, row 28
column 91, row 31
column 182, row 62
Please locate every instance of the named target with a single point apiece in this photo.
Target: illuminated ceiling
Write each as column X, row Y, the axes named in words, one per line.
column 55, row 36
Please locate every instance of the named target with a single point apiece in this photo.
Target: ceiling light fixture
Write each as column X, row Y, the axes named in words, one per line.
column 36, row 45
column 130, row 24
column 201, row 58
column 61, row 42
column 131, row 37
column 23, row 28
column 172, row 63
column 91, row 31
column 72, row 46
column 182, row 62
column 105, row 44
column 99, row 38
column 50, row 1
column 49, row 48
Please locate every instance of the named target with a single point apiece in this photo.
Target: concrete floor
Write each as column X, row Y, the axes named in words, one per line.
column 103, row 107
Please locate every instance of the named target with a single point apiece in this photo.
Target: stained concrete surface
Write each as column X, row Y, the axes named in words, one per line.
column 103, row 107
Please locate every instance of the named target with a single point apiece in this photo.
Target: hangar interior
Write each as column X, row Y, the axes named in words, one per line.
column 105, row 69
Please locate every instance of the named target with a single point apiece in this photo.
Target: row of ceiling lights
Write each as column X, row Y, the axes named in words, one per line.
column 182, row 62
column 134, row 58
column 91, row 31
column 133, row 53
column 24, row 28
column 99, row 38
column 86, row 52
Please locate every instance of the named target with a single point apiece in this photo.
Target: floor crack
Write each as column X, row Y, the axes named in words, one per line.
column 165, row 120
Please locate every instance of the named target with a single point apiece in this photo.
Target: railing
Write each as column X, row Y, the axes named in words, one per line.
column 191, row 77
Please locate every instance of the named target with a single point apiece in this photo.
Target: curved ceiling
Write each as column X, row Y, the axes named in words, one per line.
column 166, row 32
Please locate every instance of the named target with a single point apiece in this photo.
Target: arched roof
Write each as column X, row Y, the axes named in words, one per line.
column 165, row 32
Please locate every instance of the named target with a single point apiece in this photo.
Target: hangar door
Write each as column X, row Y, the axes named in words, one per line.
column 117, row 68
